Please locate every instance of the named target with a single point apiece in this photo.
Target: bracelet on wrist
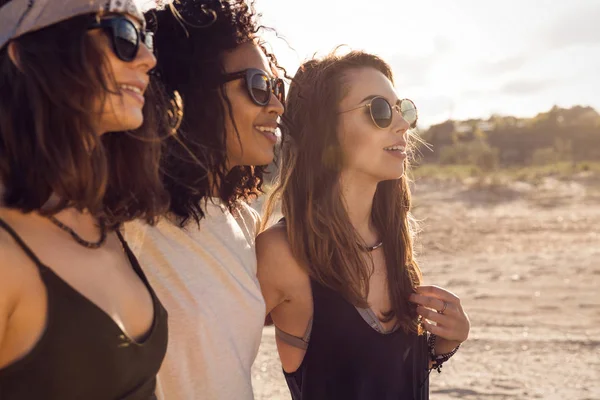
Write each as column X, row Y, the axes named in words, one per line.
column 438, row 359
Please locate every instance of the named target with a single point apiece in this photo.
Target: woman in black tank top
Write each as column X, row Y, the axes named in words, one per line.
column 78, row 157
column 339, row 276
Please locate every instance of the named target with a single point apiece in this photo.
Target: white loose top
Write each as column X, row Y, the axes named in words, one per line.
column 206, row 279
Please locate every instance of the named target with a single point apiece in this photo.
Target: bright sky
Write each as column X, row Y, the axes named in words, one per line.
column 457, row 58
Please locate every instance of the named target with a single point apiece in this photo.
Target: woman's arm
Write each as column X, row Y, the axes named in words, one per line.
column 268, row 269
column 273, row 266
column 284, row 282
column 287, row 292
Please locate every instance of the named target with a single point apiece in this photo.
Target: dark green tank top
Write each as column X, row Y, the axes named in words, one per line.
column 82, row 353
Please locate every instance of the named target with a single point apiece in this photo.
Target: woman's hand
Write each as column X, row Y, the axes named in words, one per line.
column 444, row 308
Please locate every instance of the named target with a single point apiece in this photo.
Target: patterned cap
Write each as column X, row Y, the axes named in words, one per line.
column 18, row 17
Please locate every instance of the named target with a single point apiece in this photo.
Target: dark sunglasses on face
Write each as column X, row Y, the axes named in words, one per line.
column 259, row 85
column 381, row 111
column 125, row 36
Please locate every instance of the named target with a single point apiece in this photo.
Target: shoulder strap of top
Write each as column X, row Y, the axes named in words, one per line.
column 22, row 244
column 130, row 256
column 133, row 260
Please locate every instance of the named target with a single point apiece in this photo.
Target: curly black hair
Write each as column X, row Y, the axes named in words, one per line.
column 191, row 37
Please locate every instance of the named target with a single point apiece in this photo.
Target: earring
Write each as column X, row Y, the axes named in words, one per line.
column 175, row 112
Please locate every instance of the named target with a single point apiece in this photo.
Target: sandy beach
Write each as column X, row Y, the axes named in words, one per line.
column 525, row 260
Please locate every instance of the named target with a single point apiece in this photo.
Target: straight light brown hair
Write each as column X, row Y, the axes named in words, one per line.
column 319, row 230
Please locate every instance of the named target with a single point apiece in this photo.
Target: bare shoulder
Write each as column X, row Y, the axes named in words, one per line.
column 277, row 267
column 15, row 270
column 273, row 248
column 274, row 234
column 15, row 266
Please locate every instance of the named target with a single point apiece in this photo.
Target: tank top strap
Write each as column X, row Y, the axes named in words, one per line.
column 134, row 262
column 122, row 240
column 21, row 243
column 130, row 256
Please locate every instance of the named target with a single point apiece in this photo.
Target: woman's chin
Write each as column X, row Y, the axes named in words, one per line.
column 392, row 175
column 133, row 120
column 128, row 122
column 265, row 158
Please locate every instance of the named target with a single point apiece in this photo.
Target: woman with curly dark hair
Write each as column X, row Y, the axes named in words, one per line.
column 201, row 257
column 79, row 156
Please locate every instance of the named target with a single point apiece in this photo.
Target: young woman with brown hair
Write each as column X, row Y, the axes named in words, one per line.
column 79, row 156
column 338, row 273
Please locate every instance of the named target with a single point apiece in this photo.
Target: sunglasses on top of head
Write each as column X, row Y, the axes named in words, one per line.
column 381, row 111
column 125, row 36
column 259, row 85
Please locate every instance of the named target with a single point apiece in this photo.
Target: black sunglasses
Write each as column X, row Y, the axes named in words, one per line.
column 259, row 85
column 125, row 36
column 381, row 111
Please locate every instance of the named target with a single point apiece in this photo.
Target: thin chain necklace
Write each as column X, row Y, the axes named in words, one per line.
column 79, row 239
column 375, row 247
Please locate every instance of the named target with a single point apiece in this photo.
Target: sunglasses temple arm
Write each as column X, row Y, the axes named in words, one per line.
column 355, row 108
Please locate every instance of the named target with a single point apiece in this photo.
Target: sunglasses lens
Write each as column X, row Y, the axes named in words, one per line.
column 126, row 40
column 260, row 87
column 409, row 112
column 381, row 112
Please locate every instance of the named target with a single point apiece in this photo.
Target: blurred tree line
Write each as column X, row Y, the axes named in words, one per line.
column 558, row 135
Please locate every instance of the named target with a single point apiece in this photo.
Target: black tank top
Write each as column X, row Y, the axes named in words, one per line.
column 82, row 353
column 348, row 359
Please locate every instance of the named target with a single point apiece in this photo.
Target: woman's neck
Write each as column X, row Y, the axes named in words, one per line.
column 80, row 221
column 358, row 197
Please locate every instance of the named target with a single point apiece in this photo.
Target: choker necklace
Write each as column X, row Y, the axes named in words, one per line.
column 78, row 239
column 371, row 248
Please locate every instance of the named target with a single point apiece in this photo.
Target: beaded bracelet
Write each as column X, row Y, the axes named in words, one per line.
column 438, row 359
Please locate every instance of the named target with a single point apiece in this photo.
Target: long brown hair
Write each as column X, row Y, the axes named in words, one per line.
column 319, row 230
column 47, row 143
